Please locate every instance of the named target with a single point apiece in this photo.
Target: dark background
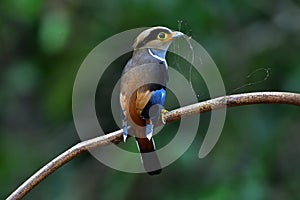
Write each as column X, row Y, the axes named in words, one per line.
column 43, row 43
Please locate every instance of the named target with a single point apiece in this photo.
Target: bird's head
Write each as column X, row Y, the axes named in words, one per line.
column 158, row 38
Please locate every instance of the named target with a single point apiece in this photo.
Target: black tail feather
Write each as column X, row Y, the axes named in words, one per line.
column 149, row 157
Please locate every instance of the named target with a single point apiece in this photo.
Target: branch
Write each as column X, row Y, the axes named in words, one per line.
column 202, row 107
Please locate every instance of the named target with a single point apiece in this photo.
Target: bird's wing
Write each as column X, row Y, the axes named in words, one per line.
column 143, row 96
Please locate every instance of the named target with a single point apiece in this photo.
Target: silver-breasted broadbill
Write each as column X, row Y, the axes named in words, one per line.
column 143, row 90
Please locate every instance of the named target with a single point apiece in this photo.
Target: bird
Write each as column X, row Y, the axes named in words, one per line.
column 143, row 91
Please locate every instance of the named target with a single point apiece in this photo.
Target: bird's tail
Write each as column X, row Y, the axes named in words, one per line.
column 149, row 157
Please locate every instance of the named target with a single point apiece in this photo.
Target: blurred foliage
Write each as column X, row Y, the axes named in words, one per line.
column 43, row 44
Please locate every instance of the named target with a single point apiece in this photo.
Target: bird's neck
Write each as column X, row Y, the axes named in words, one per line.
column 157, row 53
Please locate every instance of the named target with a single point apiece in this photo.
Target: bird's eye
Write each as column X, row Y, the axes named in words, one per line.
column 162, row 36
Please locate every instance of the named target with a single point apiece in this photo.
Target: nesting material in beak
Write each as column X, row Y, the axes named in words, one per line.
column 177, row 34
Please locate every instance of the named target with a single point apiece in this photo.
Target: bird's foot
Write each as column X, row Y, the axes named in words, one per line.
column 163, row 112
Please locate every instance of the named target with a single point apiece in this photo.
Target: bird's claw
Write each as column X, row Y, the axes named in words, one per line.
column 163, row 112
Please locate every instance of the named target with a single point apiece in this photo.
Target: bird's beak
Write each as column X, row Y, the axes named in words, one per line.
column 176, row 34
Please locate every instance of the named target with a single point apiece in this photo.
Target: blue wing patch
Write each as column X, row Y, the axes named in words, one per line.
column 158, row 97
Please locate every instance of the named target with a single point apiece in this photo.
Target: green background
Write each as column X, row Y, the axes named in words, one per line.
column 43, row 43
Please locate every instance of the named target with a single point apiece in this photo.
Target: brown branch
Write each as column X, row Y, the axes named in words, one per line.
column 202, row 107
column 233, row 101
